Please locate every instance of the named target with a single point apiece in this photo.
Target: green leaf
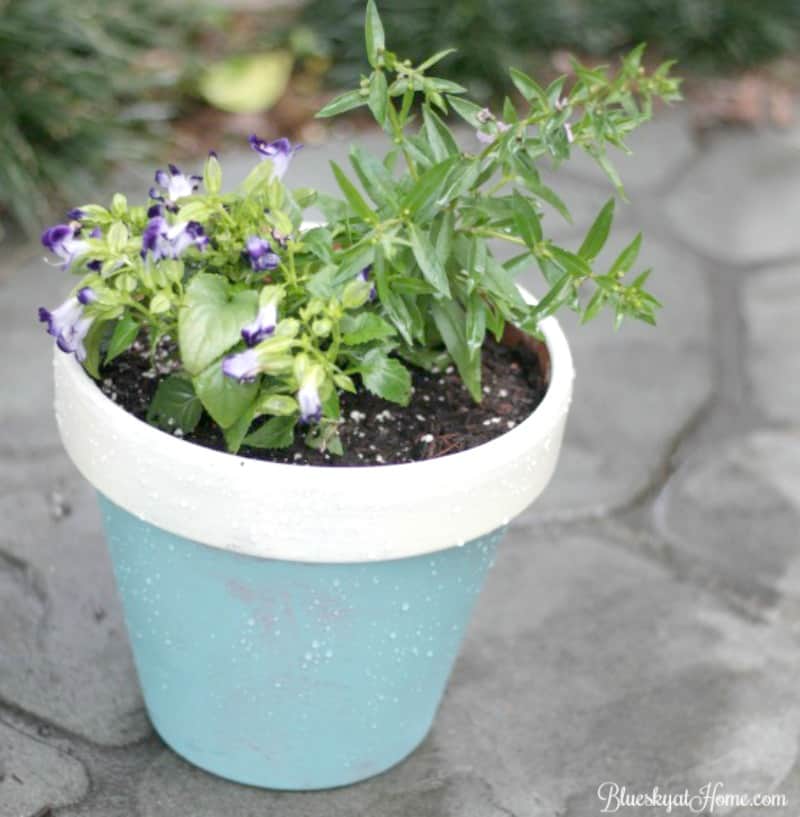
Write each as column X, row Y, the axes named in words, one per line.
column 374, row 177
column 175, row 405
column 93, row 341
column 278, row 404
column 225, row 399
column 626, row 258
column 235, row 434
column 197, row 210
column 526, row 169
column 117, row 237
column 332, row 208
column 406, row 285
column 450, row 320
column 528, row 87
column 442, row 233
column 211, row 320
column 373, row 34
column 319, row 242
column 351, row 263
column 576, row 266
column 598, row 233
column 277, row 432
column 421, row 198
column 378, row 95
column 126, row 330
column 394, row 305
column 342, row 103
column 442, row 143
column 258, row 178
column 439, row 55
column 426, row 256
column 354, row 198
column 610, row 171
column 386, row 377
column 461, row 178
column 365, row 327
column 527, row 221
column 443, row 86
column 514, row 266
column 555, row 297
column 468, row 111
column 594, row 306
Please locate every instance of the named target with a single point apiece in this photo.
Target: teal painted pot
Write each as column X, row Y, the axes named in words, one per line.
column 290, row 675
column 294, row 626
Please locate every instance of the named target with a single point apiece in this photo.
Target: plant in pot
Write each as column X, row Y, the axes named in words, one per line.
column 307, row 439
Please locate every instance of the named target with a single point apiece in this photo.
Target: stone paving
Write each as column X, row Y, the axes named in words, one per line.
column 642, row 624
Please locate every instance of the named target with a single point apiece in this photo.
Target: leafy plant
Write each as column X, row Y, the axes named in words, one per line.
column 267, row 319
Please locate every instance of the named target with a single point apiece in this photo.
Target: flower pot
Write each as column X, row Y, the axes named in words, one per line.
column 294, row 627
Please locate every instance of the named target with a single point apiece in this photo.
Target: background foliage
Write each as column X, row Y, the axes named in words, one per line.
column 68, row 73
column 716, row 35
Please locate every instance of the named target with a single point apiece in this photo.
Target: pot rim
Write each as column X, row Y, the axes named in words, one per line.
column 98, row 435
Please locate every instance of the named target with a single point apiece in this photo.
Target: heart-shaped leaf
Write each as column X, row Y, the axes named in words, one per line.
column 211, row 320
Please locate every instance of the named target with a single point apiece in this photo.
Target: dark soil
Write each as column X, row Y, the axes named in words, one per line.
column 441, row 419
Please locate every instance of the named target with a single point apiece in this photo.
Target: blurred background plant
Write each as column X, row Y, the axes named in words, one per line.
column 79, row 82
column 705, row 35
column 85, row 84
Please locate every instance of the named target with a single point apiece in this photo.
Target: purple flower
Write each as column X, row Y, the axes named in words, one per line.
column 308, row 398
column 76, row 214
column 67, row 323
column 86, row 295
column 262, row 326
column 244, row 366
column 175, row 185
column 279, row 152
column 164, row 240
column 259, row 254
column 364, row 276
column 63, row 241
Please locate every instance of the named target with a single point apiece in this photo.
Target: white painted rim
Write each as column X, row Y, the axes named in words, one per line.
column 312, row 513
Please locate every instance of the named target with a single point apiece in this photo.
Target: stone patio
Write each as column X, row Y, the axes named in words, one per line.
column 642, row 624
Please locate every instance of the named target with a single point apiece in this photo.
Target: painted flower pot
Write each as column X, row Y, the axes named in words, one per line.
column 293, row 627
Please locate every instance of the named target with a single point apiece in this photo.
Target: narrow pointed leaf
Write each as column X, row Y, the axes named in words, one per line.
column 426, row 256
column 373, row 33
column 598, row 233
column 354, row 198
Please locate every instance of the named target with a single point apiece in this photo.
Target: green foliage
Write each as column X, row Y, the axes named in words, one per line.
column 490, row 34
column 67, row 72
column 403, row 271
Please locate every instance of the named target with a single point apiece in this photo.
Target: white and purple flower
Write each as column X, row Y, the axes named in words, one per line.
column 259, row 253
column 67, row 323
column 164, row 240
column 175, row 185
column 243, row 366
column 364, row 275
column 308, row 399
column 262, row 326
column 279, row 152
column 62, row 240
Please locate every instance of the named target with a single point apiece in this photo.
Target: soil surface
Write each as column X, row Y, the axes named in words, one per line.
column 441, row 418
